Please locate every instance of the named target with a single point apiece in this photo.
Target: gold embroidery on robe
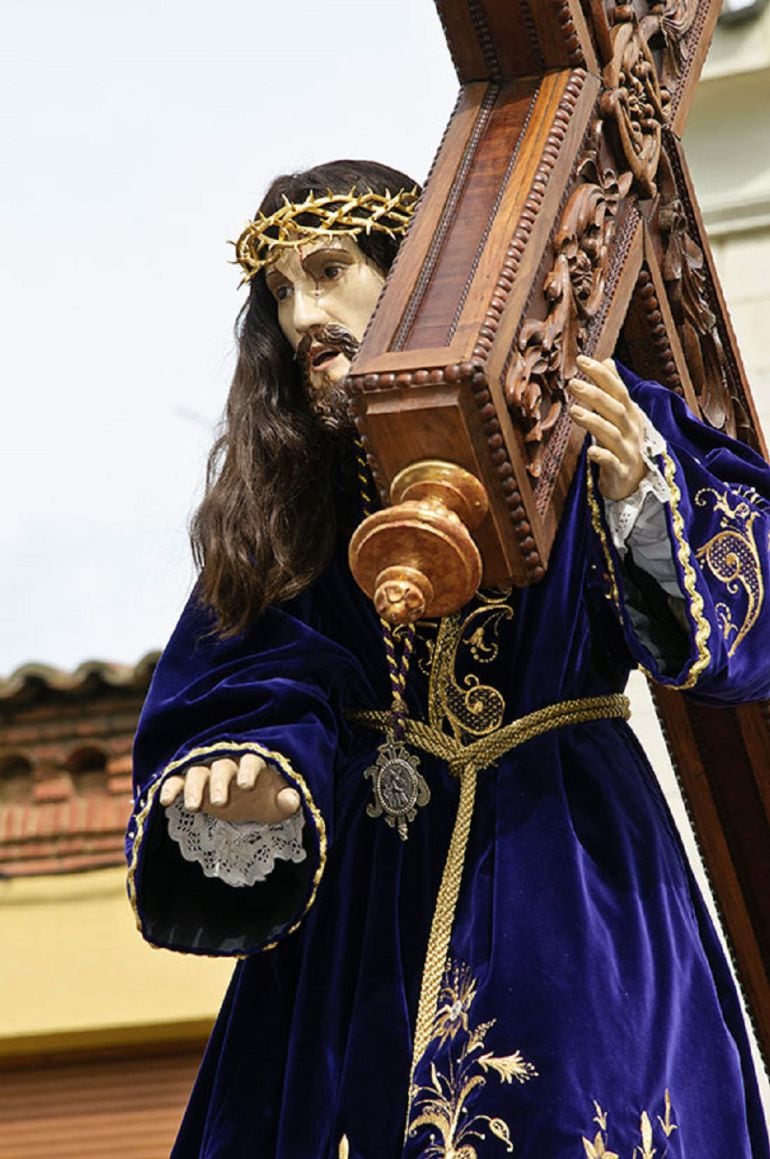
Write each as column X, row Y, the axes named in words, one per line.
column 599, row 1147
column 733, row 559
column 462, row 703
column 442, row 1105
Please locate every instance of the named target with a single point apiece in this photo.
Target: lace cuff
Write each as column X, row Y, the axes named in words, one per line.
column 238, row 853
column 622, row 514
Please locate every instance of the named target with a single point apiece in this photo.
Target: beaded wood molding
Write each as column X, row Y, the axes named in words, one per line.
column 557, row 220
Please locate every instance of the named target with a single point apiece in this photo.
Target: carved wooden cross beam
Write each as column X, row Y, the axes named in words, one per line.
column 559, row 218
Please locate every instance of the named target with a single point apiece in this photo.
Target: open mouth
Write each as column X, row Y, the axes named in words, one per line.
column 320, row 358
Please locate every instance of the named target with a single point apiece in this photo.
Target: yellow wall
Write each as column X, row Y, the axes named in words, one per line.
column 73, row 964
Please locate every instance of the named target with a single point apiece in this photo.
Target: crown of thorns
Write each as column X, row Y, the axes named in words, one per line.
column 296, row 223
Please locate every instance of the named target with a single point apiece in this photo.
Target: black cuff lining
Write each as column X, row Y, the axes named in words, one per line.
column 652, row 619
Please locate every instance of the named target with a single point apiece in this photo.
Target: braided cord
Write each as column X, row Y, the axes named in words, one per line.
column 399, row 642
column 483, row 752
column 443, row 918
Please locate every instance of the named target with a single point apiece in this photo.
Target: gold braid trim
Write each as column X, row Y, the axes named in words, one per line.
column 334, row 214
column 702, row 628
column 598, row 526
column 203, row 756
column 482, row 752
column 695, row 599
column 443, row 920
column 465, row 761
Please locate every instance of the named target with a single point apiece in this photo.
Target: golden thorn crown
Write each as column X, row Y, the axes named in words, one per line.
column 296, row 223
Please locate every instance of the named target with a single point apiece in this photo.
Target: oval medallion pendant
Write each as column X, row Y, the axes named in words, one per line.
column 398, row 786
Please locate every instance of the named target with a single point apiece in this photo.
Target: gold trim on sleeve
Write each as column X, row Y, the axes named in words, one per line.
column 695, row 599
column 701, row 626
column 598, row 526
column 204, row 755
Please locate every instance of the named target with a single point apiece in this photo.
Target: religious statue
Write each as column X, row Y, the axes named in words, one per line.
column 464, row 922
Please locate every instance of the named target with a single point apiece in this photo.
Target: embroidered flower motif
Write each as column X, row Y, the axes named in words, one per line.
column 733, row 559
column 442, row 1105
column 599, row 1148
column 455, row 1000
column 667, row 1123
column 646, row 1151
column 510, row 1068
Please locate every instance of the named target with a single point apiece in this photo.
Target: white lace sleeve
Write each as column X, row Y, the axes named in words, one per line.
column 639, row 522
column 238, row 853
column 622, row 514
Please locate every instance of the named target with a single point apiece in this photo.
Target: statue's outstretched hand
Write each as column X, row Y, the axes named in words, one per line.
column 604, row 409
column 247, row 789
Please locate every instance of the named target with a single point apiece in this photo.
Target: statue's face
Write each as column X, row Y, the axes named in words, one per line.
column 329, row 282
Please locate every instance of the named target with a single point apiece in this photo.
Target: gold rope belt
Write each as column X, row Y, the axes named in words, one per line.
column 465, row 761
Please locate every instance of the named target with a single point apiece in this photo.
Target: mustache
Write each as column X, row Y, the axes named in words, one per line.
column 331, row 335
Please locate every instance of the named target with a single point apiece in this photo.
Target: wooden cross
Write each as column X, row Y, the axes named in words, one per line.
column 559, row 218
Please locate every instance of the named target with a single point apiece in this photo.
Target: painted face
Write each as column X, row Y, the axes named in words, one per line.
column 326, row 292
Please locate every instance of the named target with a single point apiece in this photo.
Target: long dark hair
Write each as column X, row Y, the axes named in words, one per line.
column 268, row 520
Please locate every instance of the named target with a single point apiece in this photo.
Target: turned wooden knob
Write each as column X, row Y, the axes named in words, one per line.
column 417, row 558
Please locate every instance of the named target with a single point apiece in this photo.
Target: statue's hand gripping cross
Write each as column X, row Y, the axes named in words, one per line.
column 558, row 220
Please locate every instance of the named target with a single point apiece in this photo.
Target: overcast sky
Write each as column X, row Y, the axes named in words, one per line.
column 136, row 139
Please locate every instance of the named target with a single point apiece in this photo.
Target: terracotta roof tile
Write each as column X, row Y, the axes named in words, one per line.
column 33, row 681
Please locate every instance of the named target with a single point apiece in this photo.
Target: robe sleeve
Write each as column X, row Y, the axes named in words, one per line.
column 275, row 691
column 716, row 646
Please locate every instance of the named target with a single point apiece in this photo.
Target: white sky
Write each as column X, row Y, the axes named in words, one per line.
column 136, row 139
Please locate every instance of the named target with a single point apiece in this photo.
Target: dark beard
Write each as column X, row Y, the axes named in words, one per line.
column 328, row 400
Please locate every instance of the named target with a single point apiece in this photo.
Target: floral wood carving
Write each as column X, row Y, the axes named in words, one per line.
column 573, row 290
column 634, row 102
column 671, row 22
column 667, row 28
column 686, row 274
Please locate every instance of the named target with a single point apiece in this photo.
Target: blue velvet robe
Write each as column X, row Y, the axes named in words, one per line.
column 586, row 1008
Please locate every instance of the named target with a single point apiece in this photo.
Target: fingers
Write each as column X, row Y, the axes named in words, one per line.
column 279, row 795
column 248, row 789
column 604, row 458
column 199, row 778
column 605, row 409
column 223, row 772
column 607, row 394
column 171, row 789
column 195, row 781
column 287, row 801
column 618, row 413
column 605, row 432
column 618, row 478
column 249, row 768
column 604, row 374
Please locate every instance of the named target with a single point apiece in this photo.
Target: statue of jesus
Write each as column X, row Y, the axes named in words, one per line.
column 464, row 922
